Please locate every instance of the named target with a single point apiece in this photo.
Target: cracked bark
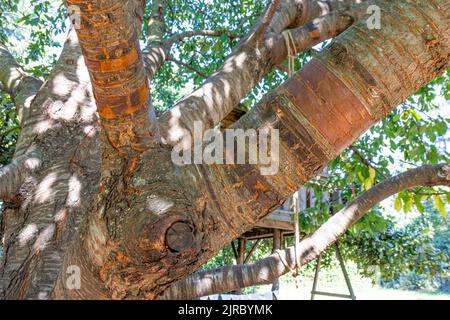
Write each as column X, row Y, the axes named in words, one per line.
column 106, row 204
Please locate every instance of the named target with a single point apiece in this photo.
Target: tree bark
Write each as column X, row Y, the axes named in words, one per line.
column 40, row 228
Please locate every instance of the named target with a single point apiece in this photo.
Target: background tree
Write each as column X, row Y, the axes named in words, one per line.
column 98, row 190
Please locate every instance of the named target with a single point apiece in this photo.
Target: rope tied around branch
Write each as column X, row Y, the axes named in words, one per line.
column 296, row 208
column 291, row 51
column 291, row 55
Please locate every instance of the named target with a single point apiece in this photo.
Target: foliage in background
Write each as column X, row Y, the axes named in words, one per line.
column 430, row 235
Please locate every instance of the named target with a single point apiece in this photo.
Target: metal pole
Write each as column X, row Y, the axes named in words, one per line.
column 316, row 278
column 344, row 270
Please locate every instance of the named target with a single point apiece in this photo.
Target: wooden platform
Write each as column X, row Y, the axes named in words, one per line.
column 279, row 219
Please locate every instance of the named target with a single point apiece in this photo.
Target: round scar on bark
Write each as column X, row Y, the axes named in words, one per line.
column 180, row 236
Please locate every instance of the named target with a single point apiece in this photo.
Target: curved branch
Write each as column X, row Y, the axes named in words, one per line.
column 13, row 175
column 157, row 51
column 241, row 72
column 265, row 271
column 266, row 19
column 154, row 57
column 317, row 113
column 16, row 82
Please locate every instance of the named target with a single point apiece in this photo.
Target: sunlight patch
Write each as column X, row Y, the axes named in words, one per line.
column 44, row 191
column 27, row 234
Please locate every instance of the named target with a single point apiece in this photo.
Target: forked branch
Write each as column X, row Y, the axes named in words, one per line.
column 13, row 175
column 266, row 19
column 241, row 72
column 16, row 82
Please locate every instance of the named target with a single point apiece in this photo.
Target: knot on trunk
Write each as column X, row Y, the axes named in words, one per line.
column 180, row 236
column 168, row 238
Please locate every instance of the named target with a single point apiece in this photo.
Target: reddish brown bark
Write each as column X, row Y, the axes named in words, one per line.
column 109, row 39
column 111, row 201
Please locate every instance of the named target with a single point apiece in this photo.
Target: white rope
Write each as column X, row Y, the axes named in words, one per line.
column 291, row 51
column 296, row 209
column 283, row 261
column 292, row 54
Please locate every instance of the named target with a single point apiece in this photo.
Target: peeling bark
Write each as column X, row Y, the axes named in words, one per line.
column 109, row 39
column 241, row 72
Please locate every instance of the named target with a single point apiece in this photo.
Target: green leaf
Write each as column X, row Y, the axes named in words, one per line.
column 418, row 202
column 432, row 156
column 440, row 205
column 398, row 203
column 372, row 173
column 361, row 177
column 415, row 115
column 408, row 202
column 447, row 195
column 441, row 128
column 368, row 183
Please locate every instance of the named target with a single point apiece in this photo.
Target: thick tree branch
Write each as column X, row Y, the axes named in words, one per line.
column 67, row 87
column 265, row 271
column 266, row 19
column 154, row 57
column 324, row 108
column 13, row 175
column 223, row 90
column 326, row 27
column 17, row 83
column 109, row 38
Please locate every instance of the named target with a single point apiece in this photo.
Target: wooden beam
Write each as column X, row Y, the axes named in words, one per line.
column 277, row 241
column 249, row 255
column 264, row 233
column 275, row 224
column 241, row 250
column 234, row 250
